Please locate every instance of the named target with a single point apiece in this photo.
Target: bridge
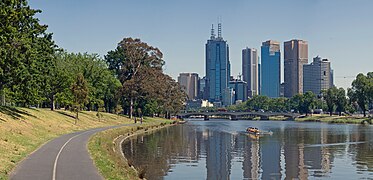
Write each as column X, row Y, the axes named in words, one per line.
column 238, row 115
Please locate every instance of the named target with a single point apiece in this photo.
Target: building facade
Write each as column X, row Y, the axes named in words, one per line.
column 295, row 56
column 317, row 76
column 240, row 90
column 270, row 69
column 189, row 83
column 250, row 71
column 217, row 67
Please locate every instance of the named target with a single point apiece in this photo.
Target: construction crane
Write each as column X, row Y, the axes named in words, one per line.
column 345, row 77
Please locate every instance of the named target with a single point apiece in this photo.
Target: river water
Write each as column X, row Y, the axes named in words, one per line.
column 219, row 149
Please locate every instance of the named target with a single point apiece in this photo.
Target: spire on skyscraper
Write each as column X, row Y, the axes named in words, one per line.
column 212, row 32
column 219, row 30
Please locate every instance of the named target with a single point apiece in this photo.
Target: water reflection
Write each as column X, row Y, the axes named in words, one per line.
column 217, row 150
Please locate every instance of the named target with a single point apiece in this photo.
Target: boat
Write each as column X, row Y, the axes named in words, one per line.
column 257, row 132
column 253, row 130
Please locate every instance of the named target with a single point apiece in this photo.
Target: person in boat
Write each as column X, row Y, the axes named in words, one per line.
column 252, row 130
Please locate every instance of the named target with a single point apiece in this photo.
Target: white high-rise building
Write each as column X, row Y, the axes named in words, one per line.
column 250, row 70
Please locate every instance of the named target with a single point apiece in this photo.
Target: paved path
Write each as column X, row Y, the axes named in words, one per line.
column 65, row 157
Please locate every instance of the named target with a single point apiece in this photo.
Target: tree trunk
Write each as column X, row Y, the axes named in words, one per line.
column 77, row 117
column 330, row 113
column 131, row 108
column 364, row 113
column 52, row 103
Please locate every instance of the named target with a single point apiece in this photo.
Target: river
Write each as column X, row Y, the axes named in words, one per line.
column 218, row 149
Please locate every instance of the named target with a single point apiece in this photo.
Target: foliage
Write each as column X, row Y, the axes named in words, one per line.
column 330, row 97
column 138, row 66
column 361, row 91
column 80, row 92
column 26, row 52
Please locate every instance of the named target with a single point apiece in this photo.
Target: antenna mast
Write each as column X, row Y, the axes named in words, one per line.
column 212, row 32
column 219, row 29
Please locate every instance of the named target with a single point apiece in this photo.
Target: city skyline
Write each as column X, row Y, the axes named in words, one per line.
column 330, row 27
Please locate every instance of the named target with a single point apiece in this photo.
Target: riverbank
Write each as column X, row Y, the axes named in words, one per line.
column 23, row 130
column 335, row 119
column 104, row 148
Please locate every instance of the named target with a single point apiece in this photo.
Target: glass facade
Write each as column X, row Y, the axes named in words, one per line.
column 217, row 68
column 270, row 69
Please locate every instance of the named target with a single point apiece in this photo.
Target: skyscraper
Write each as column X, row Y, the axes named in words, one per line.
column 217, row 66
column 189, row 83
column 317, row 76
column 270, row 69
column 295, row 56
column 250, row 70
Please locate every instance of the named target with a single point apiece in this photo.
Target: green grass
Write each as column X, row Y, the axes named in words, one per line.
column 335, row 119
column 104, row 149
column 23, row 130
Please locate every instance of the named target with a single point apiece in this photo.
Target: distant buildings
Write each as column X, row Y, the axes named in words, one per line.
column 259, row 77
column 240, row 90
column 270, row 69
column 217, row 67
column 317, row 76
column 250, row 70
column 295, row 56
column 189, row 83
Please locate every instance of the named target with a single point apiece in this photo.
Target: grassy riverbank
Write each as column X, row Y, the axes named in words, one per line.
column 335, row 119
column 23, row 130
column 104, row 149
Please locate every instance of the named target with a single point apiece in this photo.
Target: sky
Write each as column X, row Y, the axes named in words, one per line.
column 339, row 30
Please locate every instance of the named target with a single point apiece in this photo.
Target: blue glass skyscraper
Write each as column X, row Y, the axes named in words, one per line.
column 270, row 69
column 217, row 66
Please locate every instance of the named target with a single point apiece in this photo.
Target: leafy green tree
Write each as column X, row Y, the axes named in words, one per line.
column 330, row 97
column 341, row 101
column 129, row 58
column 309, row 99
column 361, row 91
column 25, row 52
column 80, row 91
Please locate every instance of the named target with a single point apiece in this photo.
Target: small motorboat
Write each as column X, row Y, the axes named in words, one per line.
column 256, row 131
column 253, row 130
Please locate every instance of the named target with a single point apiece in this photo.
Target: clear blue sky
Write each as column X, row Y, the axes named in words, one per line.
column 340, row 30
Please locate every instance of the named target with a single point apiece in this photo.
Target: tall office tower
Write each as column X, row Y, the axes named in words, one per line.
column 270, row 69
column 250, row 70
column 259, row 79
column 217, row 66
column 317, row 76
column 189, row 83
column 295, row 56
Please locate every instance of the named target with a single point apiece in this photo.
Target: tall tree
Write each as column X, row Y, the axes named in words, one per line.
column 309, row 99
column 341, row 101
column 129, row 58
column 80, row 91
column 330, row 97
column 361, row 91
column 25, row 51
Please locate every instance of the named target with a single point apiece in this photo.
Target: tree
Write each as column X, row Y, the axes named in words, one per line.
column 330, row 96
column 341, row 101
column 361, row 91
column 129, row 58
column 80, row 91
column 25, row 52
column 309, row 99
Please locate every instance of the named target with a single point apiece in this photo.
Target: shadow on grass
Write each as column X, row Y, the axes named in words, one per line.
column 14, row 112
column 66, row 114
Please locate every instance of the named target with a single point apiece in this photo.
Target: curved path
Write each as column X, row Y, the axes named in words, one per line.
column 65, row 157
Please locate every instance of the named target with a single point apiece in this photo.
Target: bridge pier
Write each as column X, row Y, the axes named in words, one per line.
column 264, row 118
column 206, row 117
column 233, row 118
